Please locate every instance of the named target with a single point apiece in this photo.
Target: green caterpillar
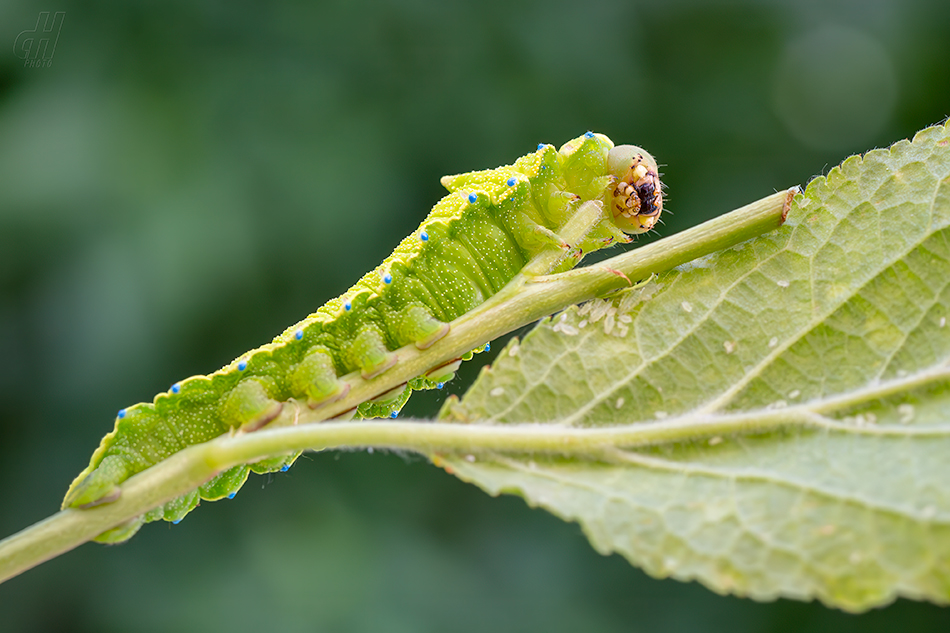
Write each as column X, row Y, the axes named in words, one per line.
column 474, row 241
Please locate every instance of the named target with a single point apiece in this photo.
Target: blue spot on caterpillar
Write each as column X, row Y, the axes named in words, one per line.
column 462, row 254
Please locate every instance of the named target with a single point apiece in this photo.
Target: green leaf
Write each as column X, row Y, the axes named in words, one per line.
column 783, row 407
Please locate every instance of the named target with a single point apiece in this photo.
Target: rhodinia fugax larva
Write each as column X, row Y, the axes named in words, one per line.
column 487, row 230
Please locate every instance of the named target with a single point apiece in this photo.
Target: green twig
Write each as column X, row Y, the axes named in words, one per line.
column 523, row 301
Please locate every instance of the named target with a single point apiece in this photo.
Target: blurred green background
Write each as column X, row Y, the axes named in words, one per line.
column 185, row 179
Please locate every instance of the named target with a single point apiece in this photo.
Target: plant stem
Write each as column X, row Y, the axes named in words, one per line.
column 523, row 301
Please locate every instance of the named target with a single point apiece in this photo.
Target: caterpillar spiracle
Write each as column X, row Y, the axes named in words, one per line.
column 473, row 242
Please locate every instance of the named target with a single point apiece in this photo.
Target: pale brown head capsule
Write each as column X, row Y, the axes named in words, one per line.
column 637, row 196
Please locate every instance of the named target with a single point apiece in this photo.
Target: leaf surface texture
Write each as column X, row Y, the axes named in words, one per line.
column 807, row 374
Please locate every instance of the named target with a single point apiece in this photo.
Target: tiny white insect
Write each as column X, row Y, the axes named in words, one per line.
column 773, row 341
column 729, row 346
column 634, row 298
column 497, row 391
column 782, row 283
column 687, row 306
column 599, row 310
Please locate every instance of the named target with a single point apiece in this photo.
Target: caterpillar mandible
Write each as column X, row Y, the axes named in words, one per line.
column 473, row 242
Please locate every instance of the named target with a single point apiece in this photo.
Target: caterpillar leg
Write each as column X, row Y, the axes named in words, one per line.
column 248, row 406
column 121, row 532
column 419, row 326
column 575, row 231
column 583, row 272
column 370, row 353
column 557, row 205
column 315, row 377
column 100, row 485
column 444, row 373
column 535, row 237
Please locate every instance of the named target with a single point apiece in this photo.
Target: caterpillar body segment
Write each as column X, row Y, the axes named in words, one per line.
column 473, row 242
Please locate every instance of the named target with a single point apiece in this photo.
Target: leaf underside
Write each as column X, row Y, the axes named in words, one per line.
column 840, row 320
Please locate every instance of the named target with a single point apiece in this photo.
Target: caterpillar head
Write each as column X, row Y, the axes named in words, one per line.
column 636, row 197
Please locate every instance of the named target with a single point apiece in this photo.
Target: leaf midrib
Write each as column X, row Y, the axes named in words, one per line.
column 729, row 394
column 619, row 456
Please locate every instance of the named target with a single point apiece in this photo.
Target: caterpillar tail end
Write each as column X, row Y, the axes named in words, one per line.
column 98, row 487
